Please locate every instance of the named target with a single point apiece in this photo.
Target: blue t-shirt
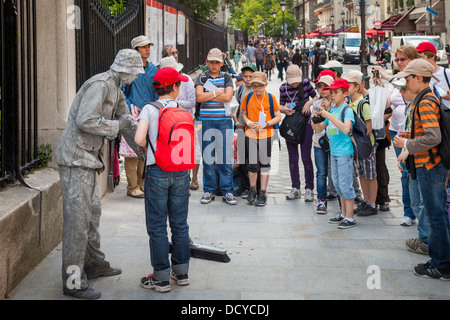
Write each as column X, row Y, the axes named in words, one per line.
column 340, row 144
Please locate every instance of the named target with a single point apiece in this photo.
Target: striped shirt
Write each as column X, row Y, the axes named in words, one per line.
column 289, row 94
column 211, row 110
column 426, row 118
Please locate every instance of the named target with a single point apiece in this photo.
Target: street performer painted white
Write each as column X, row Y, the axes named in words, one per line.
column 98, row 111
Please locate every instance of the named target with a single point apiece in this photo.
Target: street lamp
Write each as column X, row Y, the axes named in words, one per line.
column 304, row 53
column 283, row 9
column 274, row 15
column 332, row 22
column 343, row 17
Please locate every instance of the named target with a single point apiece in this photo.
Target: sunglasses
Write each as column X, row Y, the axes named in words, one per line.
column 400, row 59
column 175, row 53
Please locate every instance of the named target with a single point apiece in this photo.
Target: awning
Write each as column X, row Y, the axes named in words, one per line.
column 328, row 34
column 388, row 24
column 325, row 29
column 313, row 35
column 373, row 33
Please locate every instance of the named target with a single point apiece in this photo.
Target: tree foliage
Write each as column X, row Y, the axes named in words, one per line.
column 250, row 13
column 206, row 9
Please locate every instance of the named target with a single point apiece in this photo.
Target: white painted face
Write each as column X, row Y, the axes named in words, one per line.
column 128, row 78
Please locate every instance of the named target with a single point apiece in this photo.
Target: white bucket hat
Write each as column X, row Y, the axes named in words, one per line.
column 128, row 61
column 170, row 62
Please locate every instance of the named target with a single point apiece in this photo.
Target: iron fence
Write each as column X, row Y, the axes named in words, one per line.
column 18, row 90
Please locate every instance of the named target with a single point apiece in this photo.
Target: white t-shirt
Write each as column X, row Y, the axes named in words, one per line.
column 151, row 114
column 442, row 83
column 398, row 109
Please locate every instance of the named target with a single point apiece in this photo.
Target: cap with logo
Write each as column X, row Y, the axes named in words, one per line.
column 259, row 77
column 338, row 83
column 333, row 65
column 250, row 67
column 326, row 72
column 168, row 76
column 293, row 74
column 420, row 67
column 215, row 55
column 426, row 46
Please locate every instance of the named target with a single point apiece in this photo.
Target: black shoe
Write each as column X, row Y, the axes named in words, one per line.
column 368, row 210
column 104, row 272
column 346, row 224
column 87, row 294
column 330, row 197
column 261, row 201
column 384, row 207
column 251, row 198
column 359, row 200
column 360, row 207
column 426, row 270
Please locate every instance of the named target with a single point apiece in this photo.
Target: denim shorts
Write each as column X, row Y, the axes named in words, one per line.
column 342, row 175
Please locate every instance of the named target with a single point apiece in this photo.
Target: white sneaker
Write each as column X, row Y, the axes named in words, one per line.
column 309, row 196
column 294, row 194
column 407, row 221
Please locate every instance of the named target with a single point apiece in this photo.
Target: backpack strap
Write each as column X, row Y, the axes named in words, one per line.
column 446, row 77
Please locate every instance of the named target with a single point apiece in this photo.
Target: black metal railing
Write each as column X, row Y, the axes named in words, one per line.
column 18, row 90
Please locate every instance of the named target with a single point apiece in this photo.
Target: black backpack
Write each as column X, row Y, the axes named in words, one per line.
column 360, row 136
column 444, row 125
column 293, row 127
column 321, row 57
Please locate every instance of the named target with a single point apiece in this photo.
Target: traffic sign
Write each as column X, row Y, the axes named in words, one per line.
column 377, row 24
column 433, row 12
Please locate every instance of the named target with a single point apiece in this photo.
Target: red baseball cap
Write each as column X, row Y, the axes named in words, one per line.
column 338, row 83
column 168, row 76
column 426, row 46
column 326, row 72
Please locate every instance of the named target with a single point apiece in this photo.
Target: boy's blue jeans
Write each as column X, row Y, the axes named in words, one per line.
column 432, row 184
column 167, row 196
column 321, row 161
column 342, row 174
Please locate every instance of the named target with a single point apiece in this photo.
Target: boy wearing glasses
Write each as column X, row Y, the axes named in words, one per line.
column 256, row 113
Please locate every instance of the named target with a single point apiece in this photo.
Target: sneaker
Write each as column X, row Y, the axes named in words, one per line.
column 407, row 221
column 336, row 220
column 229, row 198
column 368, row 210
column 331, row 197
column 260, row 201
column 294, row 194
column 152, row 284
column 181, row 279
column 360, row 207
column 207, row 198
column 426, row 270
column 137, row 193
column 417, row 246
column 384, row 207
column 309, row 195
column 194, row 184
column 321, row 207
column 244, row 194
column 106, row 271
column 346, row 224
column 251, row 198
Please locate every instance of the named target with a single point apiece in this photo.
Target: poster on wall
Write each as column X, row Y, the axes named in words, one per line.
column 170, row 26
column 154, row 29
column 181, row 29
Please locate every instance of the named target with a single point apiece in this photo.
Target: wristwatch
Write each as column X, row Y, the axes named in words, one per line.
column 267, row 125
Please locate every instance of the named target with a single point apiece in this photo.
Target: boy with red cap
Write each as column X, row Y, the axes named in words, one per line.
column 427, row 51
column 341, row 148
column 166, row 193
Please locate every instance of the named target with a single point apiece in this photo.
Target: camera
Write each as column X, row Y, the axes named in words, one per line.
column 376, row 73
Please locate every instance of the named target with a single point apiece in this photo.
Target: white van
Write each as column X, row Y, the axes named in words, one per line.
column 332, row 48
column 348, row 47
column 414, row 41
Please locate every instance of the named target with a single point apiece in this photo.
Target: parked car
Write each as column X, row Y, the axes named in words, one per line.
column 414, row 41
column 349, row 46
column 332, row 48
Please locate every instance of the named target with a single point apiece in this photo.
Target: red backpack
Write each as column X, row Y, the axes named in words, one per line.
column 175, row 144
